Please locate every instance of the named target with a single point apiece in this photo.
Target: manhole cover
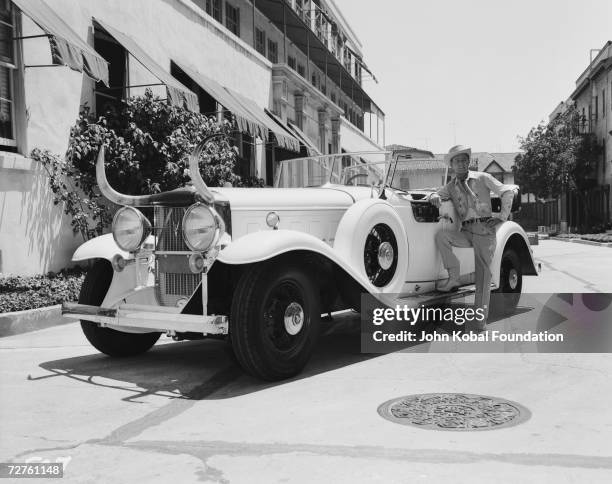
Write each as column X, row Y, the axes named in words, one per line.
column 454, row 411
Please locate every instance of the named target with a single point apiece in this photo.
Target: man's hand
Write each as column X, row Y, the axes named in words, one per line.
column 494, row 222
column 435, row 200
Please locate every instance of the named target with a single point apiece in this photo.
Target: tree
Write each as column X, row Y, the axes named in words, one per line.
column 557, row 159
column 147, row 144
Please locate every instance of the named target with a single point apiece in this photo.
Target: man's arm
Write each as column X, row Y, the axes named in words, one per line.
column 505, row 191
column 442, row 195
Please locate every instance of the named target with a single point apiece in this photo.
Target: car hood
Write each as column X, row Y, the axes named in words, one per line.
column 283, row 198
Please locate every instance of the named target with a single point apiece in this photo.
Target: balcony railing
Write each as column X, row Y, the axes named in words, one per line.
column 322, row 25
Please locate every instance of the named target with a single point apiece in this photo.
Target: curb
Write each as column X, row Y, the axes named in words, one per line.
column 585, row 242
column 20, row 322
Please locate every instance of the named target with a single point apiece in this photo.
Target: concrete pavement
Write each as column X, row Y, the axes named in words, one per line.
column 186, row 412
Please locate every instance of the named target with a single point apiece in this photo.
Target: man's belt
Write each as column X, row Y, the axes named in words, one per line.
column 475, row 220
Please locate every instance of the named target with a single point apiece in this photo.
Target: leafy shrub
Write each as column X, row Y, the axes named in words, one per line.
column 18, row 293
column 147, row 144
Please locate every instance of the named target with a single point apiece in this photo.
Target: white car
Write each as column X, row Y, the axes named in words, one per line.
column 258, row 266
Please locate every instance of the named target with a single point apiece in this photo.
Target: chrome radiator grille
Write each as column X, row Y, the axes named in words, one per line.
column 171, row 287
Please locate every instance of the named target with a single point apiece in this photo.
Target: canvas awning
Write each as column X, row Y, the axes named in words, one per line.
column 217, row 91
column 310, row 146
column 250, row 117
column 178, row 94
column 67, row 48
column 283, row 138
column 293, row 130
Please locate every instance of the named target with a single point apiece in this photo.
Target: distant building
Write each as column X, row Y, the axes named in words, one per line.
column 410, row 151
column 497, row 164
column 592, row 97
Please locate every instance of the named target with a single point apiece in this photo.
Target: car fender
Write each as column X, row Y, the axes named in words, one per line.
column 353, row 230
column 102, row 247
column 267, row 244
column 512, row 233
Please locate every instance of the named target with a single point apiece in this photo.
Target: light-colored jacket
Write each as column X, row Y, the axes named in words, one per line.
column 481, row 184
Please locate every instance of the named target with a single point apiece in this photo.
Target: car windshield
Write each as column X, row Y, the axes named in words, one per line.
column 417, row 174
column 360, row 168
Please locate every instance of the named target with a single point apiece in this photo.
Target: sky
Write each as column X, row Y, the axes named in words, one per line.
column 474, row 72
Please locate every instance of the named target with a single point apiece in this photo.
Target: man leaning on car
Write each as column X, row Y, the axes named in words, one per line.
column 470, row 192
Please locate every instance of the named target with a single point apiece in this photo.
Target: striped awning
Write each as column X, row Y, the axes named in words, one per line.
column 67, row 48
column 250, row 117
column 178, row 94
column 283, row 138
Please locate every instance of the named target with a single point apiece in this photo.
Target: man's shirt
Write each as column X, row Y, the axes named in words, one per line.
column 472, row 197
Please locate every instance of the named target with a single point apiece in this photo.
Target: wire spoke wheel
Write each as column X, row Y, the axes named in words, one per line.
column 285, row 321
column 380, row 255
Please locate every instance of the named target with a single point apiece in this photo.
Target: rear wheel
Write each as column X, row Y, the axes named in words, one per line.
column 106, row 340
column 505, row 299
column 274, row 320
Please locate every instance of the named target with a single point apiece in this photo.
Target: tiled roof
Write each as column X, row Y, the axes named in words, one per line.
column 408, row 149
column 424, row 164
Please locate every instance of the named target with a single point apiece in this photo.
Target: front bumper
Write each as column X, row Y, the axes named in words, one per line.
column 154, row 318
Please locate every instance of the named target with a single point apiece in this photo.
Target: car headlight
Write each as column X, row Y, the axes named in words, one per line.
column 201, row 227
column 130, row 228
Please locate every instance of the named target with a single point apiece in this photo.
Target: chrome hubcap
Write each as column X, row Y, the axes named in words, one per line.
column 294, row 318
column 513, row 279
column 385, row 255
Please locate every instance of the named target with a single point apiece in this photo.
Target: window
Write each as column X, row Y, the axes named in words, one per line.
column 260, row 41
column 301, row 70
column 291, row 62
column 272, row 51
column 8, row 72
column 213, row 8
column 603, row 102
column 232, row 19
column 109, row 98
column 333, row 97
column 596, row 108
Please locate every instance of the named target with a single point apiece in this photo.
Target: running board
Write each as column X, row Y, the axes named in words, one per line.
column 434, row 297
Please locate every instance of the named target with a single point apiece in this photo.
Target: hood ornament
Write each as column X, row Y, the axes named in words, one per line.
column 147, row 200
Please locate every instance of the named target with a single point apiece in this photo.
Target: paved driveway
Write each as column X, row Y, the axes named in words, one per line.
column 185, row 412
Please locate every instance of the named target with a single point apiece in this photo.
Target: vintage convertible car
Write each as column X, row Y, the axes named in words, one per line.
column 258, row 266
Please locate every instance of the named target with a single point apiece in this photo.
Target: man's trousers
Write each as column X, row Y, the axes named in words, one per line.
column 480, row 236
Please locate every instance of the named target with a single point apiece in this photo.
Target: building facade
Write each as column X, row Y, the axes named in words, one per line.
column 291, row 73
column 592, row 98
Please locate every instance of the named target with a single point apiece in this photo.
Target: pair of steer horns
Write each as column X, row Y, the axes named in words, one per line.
column 145, row 200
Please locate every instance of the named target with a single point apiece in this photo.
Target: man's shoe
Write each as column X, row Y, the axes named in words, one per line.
column 452, row 283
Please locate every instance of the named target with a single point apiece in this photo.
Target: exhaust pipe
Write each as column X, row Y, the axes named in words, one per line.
column 149, row 200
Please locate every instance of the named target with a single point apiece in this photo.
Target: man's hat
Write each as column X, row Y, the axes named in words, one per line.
column 457, row 150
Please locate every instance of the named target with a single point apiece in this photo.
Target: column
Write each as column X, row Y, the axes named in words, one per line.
column 335, row 134
column 322, row 118
column 300, row 105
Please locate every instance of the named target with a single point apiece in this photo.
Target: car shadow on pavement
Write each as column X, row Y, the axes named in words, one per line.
column 204, row 369
column 207, row 369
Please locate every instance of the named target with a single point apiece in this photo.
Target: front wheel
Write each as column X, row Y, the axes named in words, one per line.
column 505, row 299
column 274, row 320
column 106, row 340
